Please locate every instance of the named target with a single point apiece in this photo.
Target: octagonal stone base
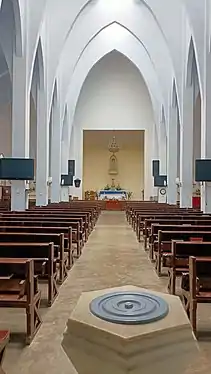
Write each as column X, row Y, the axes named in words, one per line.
column 96, row 346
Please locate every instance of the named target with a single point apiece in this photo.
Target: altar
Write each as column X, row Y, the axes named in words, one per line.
column 112, row 195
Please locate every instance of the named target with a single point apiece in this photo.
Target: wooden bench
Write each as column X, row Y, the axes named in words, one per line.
column 86, row 224
column 151, row 224
column 67, row 231
column 44, row 256
column 165, row 239
column 28, row 237
column 154, row 237
column 196, row 287
column 19, row 289
column 167, row 216
column 77, row 237
column 179, row 259
column 4, row 340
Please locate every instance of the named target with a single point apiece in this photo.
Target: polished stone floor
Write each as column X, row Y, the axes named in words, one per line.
column 112, row 257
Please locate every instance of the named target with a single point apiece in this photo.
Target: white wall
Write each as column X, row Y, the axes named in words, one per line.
column 114, row 96
column 5, row 129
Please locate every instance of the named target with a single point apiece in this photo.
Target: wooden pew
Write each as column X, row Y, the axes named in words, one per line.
column 159, row 211
column 49, row 216
column 153, row 242
column 196, row 287
column 19, row 289
column 67, row 231
column 4, row 340
column 44, row 256
column 30, row 237
column 150, row 224
column 86, row 226
column 165, row 239
column 179, row 259
column 77, row 237
column 166, row 216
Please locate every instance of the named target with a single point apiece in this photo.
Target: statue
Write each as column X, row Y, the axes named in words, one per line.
column 113, row 165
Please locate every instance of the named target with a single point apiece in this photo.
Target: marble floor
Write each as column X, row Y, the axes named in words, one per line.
column 112, row 257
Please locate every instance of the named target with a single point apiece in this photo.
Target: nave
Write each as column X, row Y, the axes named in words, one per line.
column 111, row 257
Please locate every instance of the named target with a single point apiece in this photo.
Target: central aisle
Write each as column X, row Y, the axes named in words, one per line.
column 112, row 257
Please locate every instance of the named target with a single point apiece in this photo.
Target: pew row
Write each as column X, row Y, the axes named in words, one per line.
column 19, row 289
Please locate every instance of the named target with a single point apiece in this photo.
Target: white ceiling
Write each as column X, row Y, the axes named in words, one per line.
column 124, row 138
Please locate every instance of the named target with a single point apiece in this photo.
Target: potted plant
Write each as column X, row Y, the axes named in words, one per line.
column 129, row 195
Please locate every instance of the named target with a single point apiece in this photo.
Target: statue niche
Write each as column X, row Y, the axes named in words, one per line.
column 113, row 165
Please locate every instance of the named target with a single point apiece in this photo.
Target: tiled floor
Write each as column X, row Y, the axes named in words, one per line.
column 112, row 257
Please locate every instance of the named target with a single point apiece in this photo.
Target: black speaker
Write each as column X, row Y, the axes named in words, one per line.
column 71, row 167
column 155, row 168
column 160, row 181
column 66, row 180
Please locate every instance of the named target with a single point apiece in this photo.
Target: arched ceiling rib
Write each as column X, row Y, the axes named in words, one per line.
column 96, row 50
column 71, row 15
column 138, row 21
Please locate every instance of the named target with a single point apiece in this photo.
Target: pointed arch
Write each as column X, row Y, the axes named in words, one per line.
column 18, row 28
column 37, row 71
column 136, row 55
column 192, row 71
column 174, row 99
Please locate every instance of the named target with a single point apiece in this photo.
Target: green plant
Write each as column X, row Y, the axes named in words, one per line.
column 107, row 187
column 129, row 195
column 118, row 188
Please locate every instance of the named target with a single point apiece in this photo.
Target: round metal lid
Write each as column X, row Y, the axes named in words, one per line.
column 129, row 308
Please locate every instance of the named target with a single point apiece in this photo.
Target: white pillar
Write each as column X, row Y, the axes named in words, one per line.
column 150, row 153
column 42, row 150
column 72, row 189
column 172, row 155
column 64, row 193
column 186, row 150
column 55, row 154
column 78, row 152
column 162, row 148
column 20, row 129
column 206, row 134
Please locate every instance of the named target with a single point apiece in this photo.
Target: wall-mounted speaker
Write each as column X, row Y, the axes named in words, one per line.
column 71, row 167
column 155, row 168
column 66, row 180
column 160, row 181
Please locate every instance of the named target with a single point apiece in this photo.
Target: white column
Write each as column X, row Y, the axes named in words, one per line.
column 150, row 153
column 172, row 156
column 186, row 150
column 206, row 134
column 72, row 189
column 55, row 154
column 78, row 152
column 162, row 149
column 163, row 158
column 64, row 194
column 42, row 151
column 64, row 191
column 20, row 128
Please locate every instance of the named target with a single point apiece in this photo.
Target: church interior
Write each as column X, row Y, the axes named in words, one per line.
column 105, row 186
